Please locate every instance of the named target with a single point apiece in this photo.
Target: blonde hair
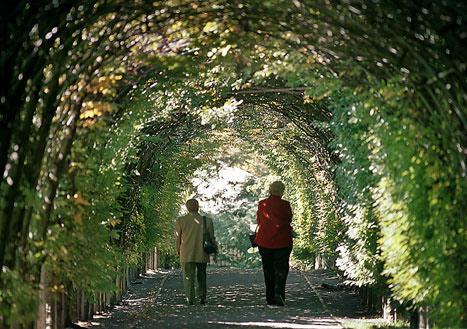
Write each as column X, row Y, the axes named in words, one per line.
column 192, row 205
column 277, row 188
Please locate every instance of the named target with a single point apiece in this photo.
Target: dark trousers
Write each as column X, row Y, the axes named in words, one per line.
column 189, row 269
column 275, row 269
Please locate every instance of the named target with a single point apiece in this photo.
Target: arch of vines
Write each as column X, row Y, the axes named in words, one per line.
column 108, row 106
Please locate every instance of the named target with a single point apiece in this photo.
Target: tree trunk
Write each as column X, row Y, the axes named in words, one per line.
column 389, row 310
column 423, row 318
column 414, row 320
column 158, row 259
column 8, row 226
column 41, row 320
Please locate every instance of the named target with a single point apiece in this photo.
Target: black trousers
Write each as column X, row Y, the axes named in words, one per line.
column 275, row 269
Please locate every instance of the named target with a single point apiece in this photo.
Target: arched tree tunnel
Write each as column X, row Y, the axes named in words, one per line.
column 110, row 107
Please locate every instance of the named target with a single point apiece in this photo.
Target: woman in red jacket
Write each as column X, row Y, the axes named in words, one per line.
column 274, row 239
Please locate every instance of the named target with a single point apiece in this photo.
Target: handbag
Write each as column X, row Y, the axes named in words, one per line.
column 208, row 246
column 252, row 237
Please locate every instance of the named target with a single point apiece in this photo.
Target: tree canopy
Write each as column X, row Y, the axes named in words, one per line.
column 108, row 107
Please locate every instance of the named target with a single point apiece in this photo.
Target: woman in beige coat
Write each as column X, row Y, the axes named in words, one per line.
column 189, row 240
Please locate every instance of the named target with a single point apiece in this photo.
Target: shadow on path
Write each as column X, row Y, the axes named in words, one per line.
column 235, row 300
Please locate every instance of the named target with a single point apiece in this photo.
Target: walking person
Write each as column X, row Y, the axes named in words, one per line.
column 189, row 230
column 274, row 240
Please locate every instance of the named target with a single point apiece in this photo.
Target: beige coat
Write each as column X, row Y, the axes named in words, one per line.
column 189, row 237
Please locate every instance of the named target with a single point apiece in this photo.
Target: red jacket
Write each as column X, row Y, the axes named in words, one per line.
column 274, row 216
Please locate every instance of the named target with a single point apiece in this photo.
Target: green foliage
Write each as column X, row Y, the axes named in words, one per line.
column 309, row 188
column 397, row 201
column 81, row 254
column 109, row 111
column 420, row 225
column 235, row 203
column 232, row 229
column 358, row 250
column 19, row 299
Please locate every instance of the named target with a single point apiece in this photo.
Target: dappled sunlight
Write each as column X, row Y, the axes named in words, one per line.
column 228, row 188
column 226, row 183
column 235, row 299
column 114, row 113
column 313, row 324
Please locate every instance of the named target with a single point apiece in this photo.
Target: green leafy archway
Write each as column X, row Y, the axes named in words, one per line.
column 110, row 106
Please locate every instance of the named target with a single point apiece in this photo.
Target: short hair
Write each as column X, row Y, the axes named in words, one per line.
column 192, row 205
column 277, row 188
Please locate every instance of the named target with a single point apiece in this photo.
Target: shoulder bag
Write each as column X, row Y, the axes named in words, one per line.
column 208, row 245
column 252, row 237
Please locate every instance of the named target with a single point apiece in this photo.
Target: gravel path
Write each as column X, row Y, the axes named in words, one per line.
column 235, row 300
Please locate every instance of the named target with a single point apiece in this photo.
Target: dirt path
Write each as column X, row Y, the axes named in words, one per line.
column 235, row 300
